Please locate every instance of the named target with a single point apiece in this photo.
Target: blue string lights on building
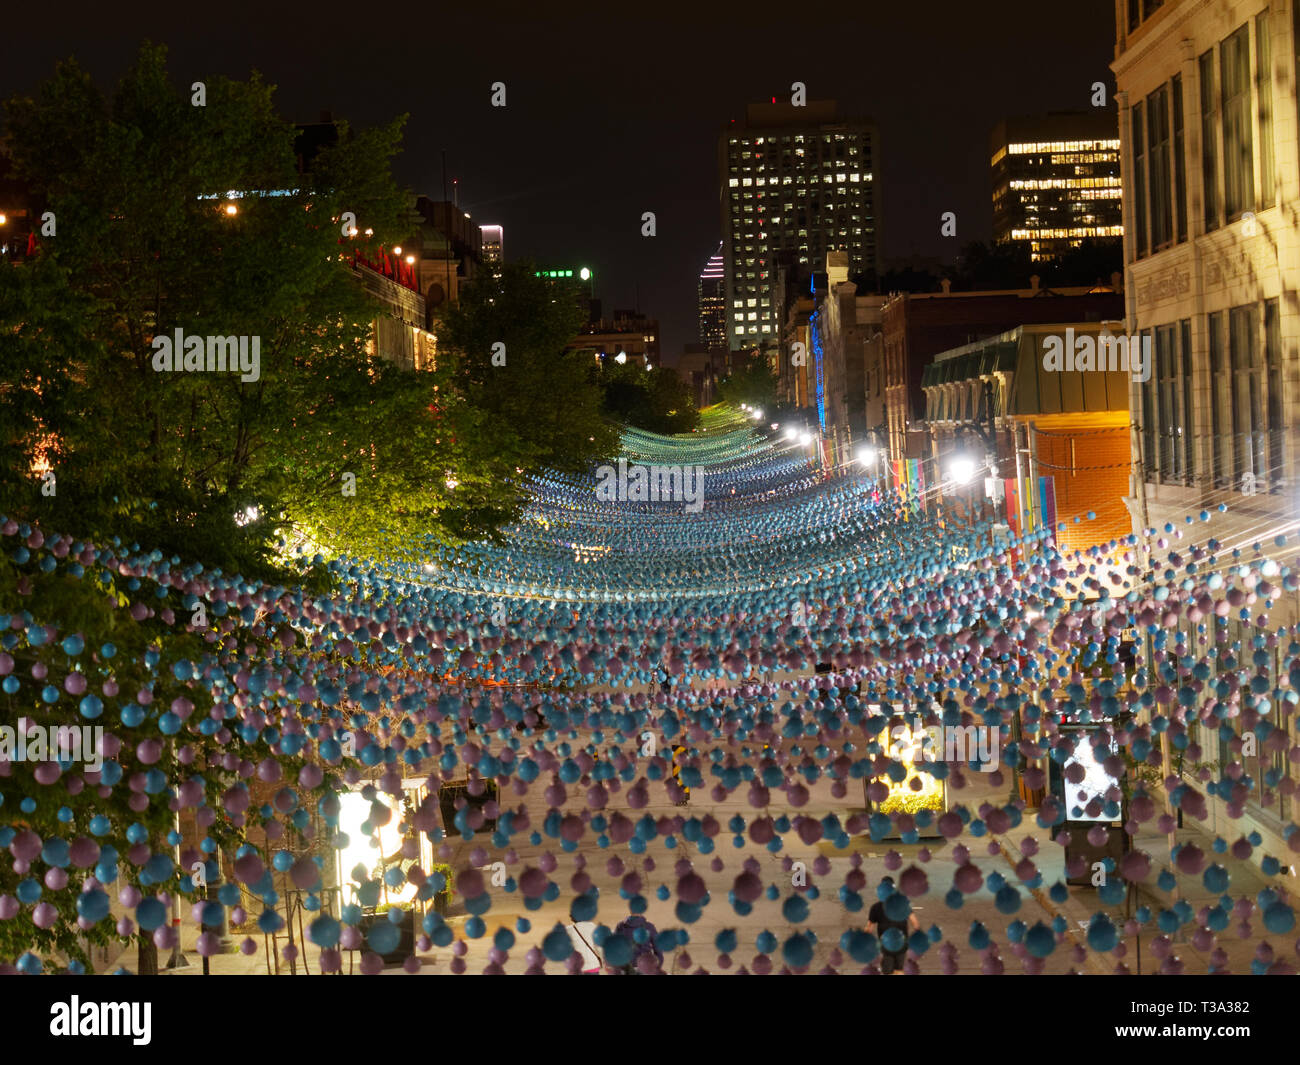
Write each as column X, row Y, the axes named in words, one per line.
column 814, row 328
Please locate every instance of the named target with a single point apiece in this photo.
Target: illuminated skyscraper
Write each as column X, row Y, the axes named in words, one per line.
column 713, row 303
column 1056, row 180
column 797, row 179
column 493, row 246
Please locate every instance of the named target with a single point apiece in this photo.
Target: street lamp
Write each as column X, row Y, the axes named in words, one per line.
column 866, row 455
column 961, row 469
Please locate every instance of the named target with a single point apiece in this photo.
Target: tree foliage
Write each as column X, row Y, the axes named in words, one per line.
column 145, row 246
column 752, row 382
column 537, row 404
column 657, row 399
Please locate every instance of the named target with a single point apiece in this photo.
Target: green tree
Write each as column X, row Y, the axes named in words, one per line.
column 656, row 400
column 146, row 244
column 535, row 404
column 752, row 382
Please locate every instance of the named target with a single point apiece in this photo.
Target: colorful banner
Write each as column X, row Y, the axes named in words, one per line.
column 1047, row 504
column 909, row 481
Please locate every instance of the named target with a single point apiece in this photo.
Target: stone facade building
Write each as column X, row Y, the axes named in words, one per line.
column 1208, row 125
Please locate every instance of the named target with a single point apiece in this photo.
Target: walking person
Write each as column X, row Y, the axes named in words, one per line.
column 879, row 922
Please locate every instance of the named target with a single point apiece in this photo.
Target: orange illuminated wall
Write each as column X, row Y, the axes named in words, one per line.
column 1089, row 457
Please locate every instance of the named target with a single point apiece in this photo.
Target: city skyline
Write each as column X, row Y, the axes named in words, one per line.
column 578, row 153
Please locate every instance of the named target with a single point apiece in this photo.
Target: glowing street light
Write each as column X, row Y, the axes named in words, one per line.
column 790, row 432
column 961, row 469
column 621, row 358
column 866, row 455
column 805, row 439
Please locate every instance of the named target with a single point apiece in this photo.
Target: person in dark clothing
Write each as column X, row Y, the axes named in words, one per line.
column 627, row 929
column 879, row 922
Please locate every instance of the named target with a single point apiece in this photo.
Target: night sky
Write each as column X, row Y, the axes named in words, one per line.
column 614, row 110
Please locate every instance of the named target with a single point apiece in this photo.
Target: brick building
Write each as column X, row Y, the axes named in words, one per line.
column 918, row 326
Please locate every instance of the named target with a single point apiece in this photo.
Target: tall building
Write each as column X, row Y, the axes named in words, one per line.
column 798, row 179
column 493, row 242
column 1208, row 122
column 712, row 301
column 1056, row 180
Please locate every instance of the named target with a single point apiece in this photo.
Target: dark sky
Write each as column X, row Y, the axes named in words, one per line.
column 614, row 109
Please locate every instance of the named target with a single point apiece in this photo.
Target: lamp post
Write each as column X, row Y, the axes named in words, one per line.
column 875, row 447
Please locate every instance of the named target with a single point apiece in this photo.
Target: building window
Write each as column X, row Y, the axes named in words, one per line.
column 1157, row 118
column 1138, row 10
column 1180, row 161
column 1220, row 408
column 1168, row 402
column 1238, row 157
column 1140, row 179
column 1209, row 141
column 1249, row 431
column 1186, row 425
column 1273, row 383
column 1149, row 420
column 1264, row 92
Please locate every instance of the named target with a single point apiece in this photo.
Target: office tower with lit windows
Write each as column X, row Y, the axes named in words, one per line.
column 712, row 302
column 1056, row 180
column 797, row 179
column 493, row 244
